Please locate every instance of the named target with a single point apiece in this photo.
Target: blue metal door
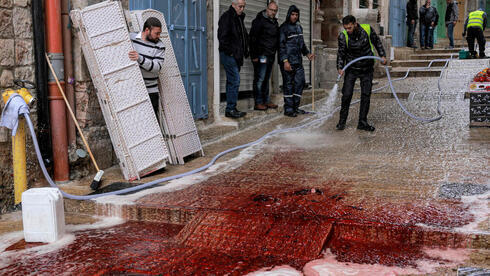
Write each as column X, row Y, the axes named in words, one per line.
column 186, row 23
column 398, row 27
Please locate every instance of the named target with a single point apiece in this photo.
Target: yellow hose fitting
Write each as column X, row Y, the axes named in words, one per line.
column 19, row 146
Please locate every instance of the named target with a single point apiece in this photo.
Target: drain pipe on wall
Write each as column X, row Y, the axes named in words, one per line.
column 218, row 120
column 43, row 127
column 68, row 64
column 54, row 46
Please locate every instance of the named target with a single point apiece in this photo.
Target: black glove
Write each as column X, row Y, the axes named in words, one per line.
column 464, row 34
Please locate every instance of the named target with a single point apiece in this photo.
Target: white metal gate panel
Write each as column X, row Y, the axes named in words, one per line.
column 180, row 130
column 122, row 95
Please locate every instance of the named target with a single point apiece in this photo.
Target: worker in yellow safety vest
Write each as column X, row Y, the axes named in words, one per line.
column 357, row 40
column 475, row 25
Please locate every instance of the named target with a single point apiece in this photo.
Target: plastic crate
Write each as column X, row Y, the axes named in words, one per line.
column 479, row 109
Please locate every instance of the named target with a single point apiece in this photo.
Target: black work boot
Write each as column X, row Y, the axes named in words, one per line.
column 363, row 125
column 340, row 126
column 299, row 111
column 235, row 114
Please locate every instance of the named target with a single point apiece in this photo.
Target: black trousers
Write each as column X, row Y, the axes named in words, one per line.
column 475, row 32
column 155, row 100
column 366, row 78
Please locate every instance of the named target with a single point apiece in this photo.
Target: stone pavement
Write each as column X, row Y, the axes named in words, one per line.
column 409, row 198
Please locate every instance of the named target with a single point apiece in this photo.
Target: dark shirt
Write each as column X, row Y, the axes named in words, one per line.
column 264, row 36
column 291, row 43
column 412, row 11
column 358, row 46
column 232, row 35
column 428, row 15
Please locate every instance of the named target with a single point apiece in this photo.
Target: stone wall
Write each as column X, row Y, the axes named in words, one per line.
column 325, row 66
column 16, row 62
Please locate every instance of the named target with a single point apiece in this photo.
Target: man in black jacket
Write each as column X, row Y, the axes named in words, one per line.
column 357, row 41
column 428, row 21
column 291, row 48
column 233, row 48
column 264, row 42
column 411, row 22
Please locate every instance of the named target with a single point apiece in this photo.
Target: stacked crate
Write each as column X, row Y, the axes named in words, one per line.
column 480, row 105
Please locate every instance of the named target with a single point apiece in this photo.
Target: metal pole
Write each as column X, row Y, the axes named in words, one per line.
column 54, row 45
column 19, row 160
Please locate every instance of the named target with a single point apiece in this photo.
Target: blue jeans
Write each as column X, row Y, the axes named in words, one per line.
column 411, row 33
column 426, row 36
column 450, row 31
column 232, row 80
column 262, row 74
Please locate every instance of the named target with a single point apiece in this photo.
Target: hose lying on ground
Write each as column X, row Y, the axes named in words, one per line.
column 271, row 133
column 390, row 84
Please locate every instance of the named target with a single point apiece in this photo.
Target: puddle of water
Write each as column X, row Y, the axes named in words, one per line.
column 311, row 140
column 457, row 190
column 283, row 270
column 330, row 266
column 22, row 244
column 433, row 259
column 272, row 211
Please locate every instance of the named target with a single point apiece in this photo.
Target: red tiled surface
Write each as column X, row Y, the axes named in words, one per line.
column 243, row 221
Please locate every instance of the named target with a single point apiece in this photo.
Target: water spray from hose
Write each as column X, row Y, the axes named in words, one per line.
column 330, row 100
column 390, row 83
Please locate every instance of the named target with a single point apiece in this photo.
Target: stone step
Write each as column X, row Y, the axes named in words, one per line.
column 415, row 63
column 437, row 51
column 443, row 42
column 430, row 56
column 401, row 71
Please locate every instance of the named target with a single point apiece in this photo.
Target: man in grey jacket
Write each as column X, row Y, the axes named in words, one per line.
column 451, row 18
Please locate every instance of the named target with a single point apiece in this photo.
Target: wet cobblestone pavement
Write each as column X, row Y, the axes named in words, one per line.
column 317, row 201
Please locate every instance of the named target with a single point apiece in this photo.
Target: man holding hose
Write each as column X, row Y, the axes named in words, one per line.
column 355, row 41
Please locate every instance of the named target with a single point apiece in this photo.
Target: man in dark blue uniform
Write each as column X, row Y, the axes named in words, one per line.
column 291, row 48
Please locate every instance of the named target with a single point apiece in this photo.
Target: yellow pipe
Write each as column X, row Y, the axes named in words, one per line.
column 19, row 147
column 19, row 159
